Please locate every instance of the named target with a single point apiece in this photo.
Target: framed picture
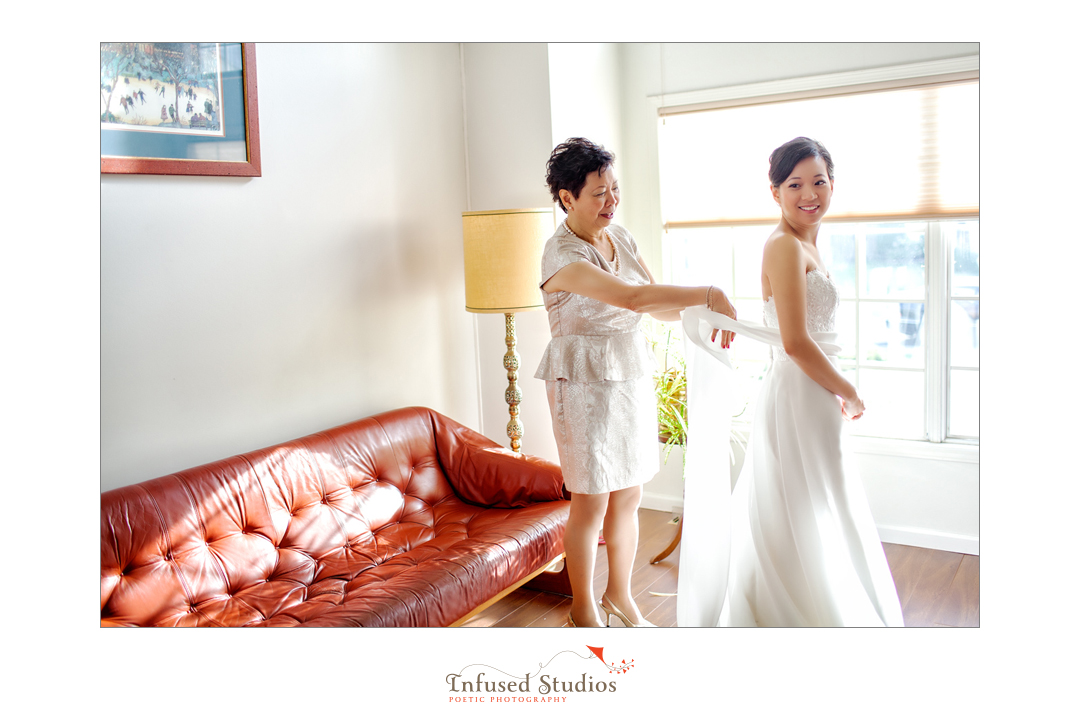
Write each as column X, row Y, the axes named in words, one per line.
column 179, row 109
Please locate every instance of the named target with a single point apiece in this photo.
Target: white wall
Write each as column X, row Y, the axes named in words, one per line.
column 585, row 97
column 928, row 497
column 237, row 313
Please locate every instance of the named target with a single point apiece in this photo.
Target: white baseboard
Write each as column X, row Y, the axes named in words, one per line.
column 658, row 501
column 916, row 537
column 919, row 537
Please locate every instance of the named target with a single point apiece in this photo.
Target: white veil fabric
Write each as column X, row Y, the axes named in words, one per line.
column 705, row 555
column 706, row 526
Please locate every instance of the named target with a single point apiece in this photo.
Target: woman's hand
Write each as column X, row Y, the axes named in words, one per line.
column 852, row 406
column 718, row 302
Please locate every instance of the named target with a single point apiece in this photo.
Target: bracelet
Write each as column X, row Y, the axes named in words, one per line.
column 708, row 298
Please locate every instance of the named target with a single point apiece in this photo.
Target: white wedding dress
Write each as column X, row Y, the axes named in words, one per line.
column 801, row 548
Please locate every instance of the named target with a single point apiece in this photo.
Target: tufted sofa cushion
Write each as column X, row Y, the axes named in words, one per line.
column 402, row 519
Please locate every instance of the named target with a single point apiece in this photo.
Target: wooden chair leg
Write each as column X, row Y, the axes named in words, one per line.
column 671, row 546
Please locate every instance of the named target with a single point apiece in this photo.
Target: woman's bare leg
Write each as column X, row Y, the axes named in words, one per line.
column 580, row 540
column 621, row 538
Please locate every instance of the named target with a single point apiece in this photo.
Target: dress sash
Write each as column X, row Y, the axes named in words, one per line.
column 698, row 324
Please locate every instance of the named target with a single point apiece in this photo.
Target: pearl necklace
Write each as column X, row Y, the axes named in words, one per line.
column 614, row 247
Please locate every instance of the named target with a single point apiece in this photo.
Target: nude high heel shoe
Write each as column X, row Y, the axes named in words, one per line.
column 609, row 608
column 570, row 617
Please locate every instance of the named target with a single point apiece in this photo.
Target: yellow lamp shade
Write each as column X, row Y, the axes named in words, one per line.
column 503, row 249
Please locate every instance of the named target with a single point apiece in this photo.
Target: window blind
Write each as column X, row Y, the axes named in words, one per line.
column 907, row 152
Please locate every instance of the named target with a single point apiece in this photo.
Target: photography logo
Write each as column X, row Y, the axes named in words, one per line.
column 567, row 673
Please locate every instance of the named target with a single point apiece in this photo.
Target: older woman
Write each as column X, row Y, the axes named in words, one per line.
column 598, row 369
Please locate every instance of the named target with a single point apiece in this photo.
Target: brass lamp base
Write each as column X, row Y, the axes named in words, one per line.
column 514, row 429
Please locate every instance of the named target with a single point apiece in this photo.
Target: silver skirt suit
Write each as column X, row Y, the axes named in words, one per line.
column 598, row 369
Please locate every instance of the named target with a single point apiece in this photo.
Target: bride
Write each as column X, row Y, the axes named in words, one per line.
column 804, row 550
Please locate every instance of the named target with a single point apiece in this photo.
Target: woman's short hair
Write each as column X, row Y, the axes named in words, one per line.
column 570, row 164
column 783, row 159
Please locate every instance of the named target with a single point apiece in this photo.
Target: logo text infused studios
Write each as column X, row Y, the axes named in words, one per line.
column 480, row 683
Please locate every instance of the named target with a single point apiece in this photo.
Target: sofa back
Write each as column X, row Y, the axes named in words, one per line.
column 265, row 523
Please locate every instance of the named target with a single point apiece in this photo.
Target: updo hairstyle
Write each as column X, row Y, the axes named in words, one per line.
column 783, row 159
column 570, row 164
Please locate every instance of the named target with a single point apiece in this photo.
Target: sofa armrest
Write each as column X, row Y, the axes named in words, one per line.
column 482, row 472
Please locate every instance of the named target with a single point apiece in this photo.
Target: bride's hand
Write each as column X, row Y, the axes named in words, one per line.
column 852, row 407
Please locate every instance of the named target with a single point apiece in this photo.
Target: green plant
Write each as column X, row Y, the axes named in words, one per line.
column 670, row 384
column 671, row 408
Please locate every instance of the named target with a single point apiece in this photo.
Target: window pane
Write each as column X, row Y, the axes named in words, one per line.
column 837, row 245
column 751, row 309
column 963, row 238
column 895, row 404
column 964, row 327
column 845, row 328
column 892, row 334
column 748, row 243
column 894, row 261
column 964, row 403
column 700, row 256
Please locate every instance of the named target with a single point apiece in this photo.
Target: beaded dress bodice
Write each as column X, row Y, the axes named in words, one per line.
column 822, row 302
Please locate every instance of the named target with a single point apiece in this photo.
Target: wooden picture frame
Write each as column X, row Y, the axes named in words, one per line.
column 133, row 150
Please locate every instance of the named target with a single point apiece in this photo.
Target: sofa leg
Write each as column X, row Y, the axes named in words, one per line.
column 554, row 579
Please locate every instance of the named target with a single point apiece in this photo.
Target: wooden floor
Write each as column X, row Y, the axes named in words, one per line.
column 936, row 588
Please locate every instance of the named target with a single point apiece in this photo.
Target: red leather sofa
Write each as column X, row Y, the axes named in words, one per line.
column 406, row 518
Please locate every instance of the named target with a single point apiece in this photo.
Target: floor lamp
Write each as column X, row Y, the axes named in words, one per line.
column 502, row 275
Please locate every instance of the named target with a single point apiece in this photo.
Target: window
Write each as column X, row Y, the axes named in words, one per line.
column 962, row 241
column 900, row 240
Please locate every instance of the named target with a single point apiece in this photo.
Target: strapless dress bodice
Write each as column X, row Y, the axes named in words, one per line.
column 822, row 302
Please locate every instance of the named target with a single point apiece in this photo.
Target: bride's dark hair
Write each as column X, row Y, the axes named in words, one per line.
column 783, row 159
